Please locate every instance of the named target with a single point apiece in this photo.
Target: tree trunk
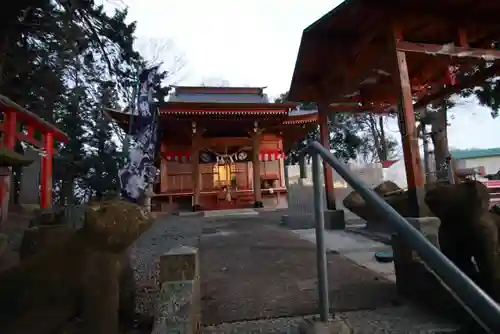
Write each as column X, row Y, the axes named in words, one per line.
column 439, row 136
column 384, row 149
column 372, row 123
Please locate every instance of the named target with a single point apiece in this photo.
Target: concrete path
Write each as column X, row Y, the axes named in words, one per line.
column 252, row 269
column 356, row 248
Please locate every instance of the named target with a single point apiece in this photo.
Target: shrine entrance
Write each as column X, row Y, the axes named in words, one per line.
column 224, row 174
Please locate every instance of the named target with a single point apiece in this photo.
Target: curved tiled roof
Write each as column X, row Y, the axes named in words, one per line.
column 301, row 116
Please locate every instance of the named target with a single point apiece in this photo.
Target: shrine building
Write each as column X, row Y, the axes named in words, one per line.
column 223, row 148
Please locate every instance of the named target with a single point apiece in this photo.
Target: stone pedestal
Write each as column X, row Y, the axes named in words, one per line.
column 3, row 243
column 30, row 185
column 334, row 219
column 178, row 309
column 415, row 281
column 297, row 221
column 5, row 185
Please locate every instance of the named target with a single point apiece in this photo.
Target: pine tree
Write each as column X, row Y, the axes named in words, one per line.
column 66, row 68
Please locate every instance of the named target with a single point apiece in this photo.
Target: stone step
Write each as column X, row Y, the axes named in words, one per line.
column 230, row 213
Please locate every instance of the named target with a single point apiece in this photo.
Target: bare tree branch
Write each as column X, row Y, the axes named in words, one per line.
column 163, row 53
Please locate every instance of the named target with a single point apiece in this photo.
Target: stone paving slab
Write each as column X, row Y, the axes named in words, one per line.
column 255, row 270
column 357, row 248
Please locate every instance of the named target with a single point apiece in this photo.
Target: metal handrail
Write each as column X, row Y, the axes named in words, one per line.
column 481, row 306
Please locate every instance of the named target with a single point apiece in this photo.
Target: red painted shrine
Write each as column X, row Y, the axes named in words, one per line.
column 223, row 148
column 20, row 124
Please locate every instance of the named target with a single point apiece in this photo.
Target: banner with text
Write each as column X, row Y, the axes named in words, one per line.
column 140, row 172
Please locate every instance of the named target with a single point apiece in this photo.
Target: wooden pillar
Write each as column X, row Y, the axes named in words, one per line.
column 257, row 193
column 195, row 163
column 10, row 129
column 46, row 172
column 163, row 170
column 9, row 142
column 406, row 118
column 327, row 170
column 281, row 164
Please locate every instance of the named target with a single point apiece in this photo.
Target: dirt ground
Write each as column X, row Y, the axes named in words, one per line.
column 252, row 269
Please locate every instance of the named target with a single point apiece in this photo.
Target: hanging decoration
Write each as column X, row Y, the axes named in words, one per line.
column 139, row 172
column 451, row 74
column 222, row 159
column 207, row 157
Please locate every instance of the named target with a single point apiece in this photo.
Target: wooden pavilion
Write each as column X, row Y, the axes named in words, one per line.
column 19, row 124
column 399, row 54
column 223, row 148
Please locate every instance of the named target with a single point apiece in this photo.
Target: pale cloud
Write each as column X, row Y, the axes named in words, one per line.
column 256, row 43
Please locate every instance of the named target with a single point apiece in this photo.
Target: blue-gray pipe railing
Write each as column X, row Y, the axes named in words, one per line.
column 481, row 306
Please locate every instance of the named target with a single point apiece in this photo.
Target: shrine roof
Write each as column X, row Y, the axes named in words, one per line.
column 203, row 100
column 218, row 94
column 348, row 51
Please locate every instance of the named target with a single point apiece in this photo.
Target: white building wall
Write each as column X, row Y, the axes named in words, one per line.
column 491, row 164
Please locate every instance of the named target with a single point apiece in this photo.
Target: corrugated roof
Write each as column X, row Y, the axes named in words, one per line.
column 475, row 153
column 302, row 112
column 218, row 98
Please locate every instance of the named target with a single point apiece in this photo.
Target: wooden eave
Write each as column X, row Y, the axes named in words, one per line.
column 351, row 49
column 208, row 108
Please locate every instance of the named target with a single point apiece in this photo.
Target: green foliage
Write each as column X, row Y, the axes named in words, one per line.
column 67, row 64
column 488, row 95
column 487, row 92
column 344, row 137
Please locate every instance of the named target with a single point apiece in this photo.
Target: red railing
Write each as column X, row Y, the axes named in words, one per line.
column 20, row 124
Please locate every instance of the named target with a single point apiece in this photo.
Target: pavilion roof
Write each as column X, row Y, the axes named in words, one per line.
column 348, row 51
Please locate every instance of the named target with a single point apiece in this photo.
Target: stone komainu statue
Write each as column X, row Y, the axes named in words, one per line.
column 469, row 232
column 86, row 273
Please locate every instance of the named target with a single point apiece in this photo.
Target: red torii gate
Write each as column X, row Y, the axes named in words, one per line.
column 20, row 124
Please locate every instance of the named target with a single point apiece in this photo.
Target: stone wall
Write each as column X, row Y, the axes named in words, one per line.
column 301, row 191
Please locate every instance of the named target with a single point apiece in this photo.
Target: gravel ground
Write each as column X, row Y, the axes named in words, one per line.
column 394, row 320
column 166, row 233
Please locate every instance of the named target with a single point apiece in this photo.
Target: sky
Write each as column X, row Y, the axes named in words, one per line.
column 255, row 43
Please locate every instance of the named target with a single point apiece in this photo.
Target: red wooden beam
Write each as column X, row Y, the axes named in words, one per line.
column 324, row 134
column 9, row 129
column 450, row 50
column 46, row 172
column 29, row 118
column 406, row 117
column 26, row 137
